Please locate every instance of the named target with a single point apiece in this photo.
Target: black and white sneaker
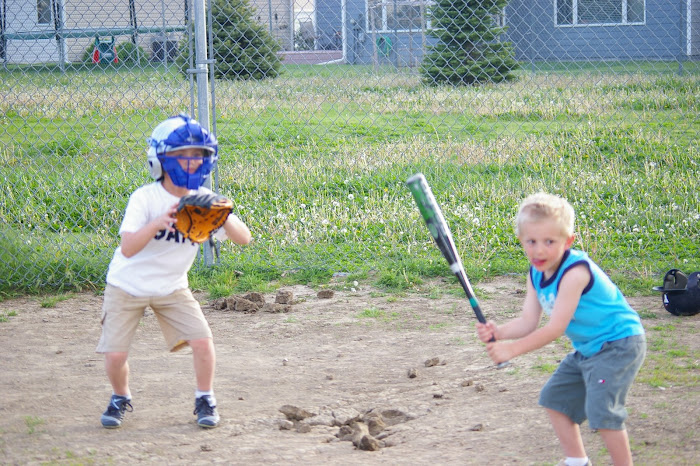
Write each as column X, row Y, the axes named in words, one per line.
column 112, row 418
column 205, row 410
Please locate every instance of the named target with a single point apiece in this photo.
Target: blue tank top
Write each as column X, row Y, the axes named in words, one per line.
column 603, row 313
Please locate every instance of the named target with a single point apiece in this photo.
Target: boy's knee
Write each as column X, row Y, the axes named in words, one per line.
column 201, row 344
column 116, row 357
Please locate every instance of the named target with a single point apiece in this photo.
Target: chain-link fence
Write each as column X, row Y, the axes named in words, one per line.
column 324, row 109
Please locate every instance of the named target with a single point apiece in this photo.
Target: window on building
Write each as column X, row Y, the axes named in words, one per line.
column 585, row 12
column 397, row 15
column 43, row 10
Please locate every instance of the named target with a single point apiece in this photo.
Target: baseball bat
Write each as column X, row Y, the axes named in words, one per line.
column 440, row 231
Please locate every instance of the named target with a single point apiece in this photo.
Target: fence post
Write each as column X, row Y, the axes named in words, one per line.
column 202, row 73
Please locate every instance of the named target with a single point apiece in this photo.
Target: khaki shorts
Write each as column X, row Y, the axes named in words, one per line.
column 179, row 315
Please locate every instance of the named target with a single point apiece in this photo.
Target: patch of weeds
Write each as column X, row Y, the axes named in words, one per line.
column 657, row 344
column 435, row 292
column 5, row 317
column 8, row 294
column 661, row 369
column 311, row 276
column 677, row 353
column 664, row 329
column 546, row 367
column 455, row 291
column 376, row 294
column 392, row 299
column 290, row 320
column 371, row 313
column 439, row 326
column 399, row 280
column 32, row 422
column 481, row 293
column 452, row 310
column 379, row 314
column 647, row 314
column 252, row 282
column 458, row 341
column 52, row 301
column 220, row 290
column 357, row 276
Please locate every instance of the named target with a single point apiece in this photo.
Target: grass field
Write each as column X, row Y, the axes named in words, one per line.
column 316, row 163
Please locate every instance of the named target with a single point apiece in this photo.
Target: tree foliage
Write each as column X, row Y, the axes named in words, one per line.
column 243, row 48
column 469, row 49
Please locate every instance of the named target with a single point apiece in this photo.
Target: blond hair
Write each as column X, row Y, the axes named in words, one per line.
column 543, row 206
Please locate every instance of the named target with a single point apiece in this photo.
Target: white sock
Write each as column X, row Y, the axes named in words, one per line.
column 127, row 396
column 199, row 394
column 576, row 461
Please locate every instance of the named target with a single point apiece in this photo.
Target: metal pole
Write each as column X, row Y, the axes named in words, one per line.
column 58, row 29
column 269, row 14
column 292, row 24
column 396, row 34
column 202, row 76
column 375, row 55
column 344, row 29
column 165, row 40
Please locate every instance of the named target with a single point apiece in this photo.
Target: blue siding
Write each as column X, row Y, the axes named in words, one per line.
column 328, row 24
column 531, row 28
column 536, row 37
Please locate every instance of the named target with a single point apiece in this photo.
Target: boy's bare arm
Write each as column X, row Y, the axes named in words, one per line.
column 525, row 323
column 570, row 289
column 237, row 231
column 133, row 242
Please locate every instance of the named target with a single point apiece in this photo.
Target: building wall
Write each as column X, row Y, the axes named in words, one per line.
column 532, row 29
column 92, row 17
column 277, row 16
column 22, row 17
column 329, row 23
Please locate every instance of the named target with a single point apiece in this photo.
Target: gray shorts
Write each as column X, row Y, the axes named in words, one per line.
column 179, row 315
column 595, row 388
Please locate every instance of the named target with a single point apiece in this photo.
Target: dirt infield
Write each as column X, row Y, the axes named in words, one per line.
column 361, row 377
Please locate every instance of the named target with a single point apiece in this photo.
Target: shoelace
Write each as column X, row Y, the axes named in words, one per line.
column 203, row 406
column 123, row 406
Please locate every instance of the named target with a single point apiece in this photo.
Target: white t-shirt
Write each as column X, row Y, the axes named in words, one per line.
column 161, row 266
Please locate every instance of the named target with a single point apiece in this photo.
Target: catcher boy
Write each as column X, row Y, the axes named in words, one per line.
column 149, row 268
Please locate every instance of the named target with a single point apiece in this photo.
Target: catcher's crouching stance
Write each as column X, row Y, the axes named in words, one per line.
column 162, row 226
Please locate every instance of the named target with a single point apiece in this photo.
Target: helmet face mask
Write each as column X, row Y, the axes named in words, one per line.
column 177, row 134
column 180, row 176
column 680, row 294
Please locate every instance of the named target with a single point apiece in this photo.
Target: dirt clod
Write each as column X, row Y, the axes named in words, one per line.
column 294, row 413
column 325, row 294
column 284, row 297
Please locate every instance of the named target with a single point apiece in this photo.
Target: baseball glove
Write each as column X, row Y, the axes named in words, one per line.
column 198, row 215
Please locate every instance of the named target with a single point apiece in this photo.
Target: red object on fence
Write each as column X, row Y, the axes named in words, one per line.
column 104, row 51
